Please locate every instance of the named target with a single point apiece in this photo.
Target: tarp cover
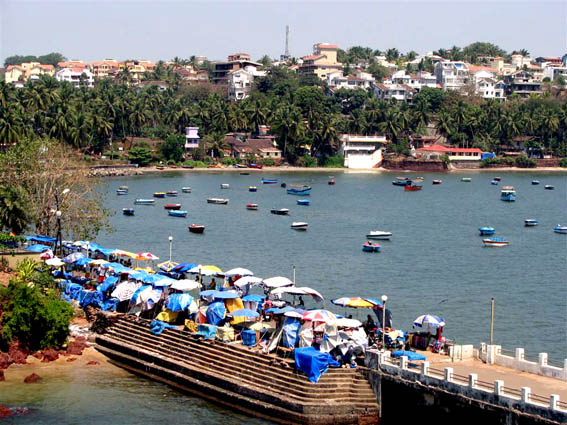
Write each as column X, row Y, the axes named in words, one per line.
column 37, row 248
column 111, row 304
column 40, row 238
column 290, row 332
column 108, row 283
column 215, row 313
column 235, row 305
column 157, row 326
column 411, row 355
column 312, row 362
column 178, row 302
column 87, row 297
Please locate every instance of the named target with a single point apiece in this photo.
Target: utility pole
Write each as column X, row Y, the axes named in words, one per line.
column 491, row 320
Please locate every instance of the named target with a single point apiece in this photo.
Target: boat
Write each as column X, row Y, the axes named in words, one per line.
column 495, row 242
column 531, row 222
column 280, row 211
column 302, row 189
column 160, row 168
column 172, row 206
column 549, row 187
column 370, row 247
column 269, row 181
column 560, row 229
column 412, row 187
column 299, row 225
column 486, row 231
column 378, row 234
column 239, row 166
column 186, row 189
column 401, row 181
column 177, row 213
column 122, row 192
column 245, row 173
column 159, row 194
column 128, row 211
column 252, row 207
column 466, row 179
column 331, row 182
column 224, row 186
column 145, row 201
column 303, row 202
column 196, row 228
column 534, row 182
column 171, row 193
column 497, row 178
column 494, row 182
column 252, row 189
column 508, row 193
column 123, row 187
column 257, row 166
column 437, row 181
column 220, row 201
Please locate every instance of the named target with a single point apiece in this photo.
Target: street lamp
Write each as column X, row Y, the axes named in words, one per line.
column 170, row 244
column 59, row 239
column 384, row 299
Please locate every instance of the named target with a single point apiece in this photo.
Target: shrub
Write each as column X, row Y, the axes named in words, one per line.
column 268, row 162
column 335, row 161
column 195, row 164
column 524, row 162
column 563, row 162
column 229, row 161
column 306, row 161
column 497, row 161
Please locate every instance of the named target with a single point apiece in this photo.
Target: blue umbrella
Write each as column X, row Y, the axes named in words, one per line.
column 244, row 313
column 254, row 298
column 183, row 267
column 429, row 320
column 71, row 258
column 222, row 295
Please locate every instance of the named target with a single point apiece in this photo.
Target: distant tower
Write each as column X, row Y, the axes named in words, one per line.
column 286, row 55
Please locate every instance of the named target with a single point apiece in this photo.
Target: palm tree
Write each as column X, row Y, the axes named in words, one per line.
column 256, row 114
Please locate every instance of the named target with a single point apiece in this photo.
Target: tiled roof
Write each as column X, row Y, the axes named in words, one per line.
column 441, row 148
column 312, row 57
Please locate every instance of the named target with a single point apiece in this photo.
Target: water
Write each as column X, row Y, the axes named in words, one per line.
column 435, row 262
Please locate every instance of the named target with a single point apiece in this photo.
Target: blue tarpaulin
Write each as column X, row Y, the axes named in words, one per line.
column 313, row 363
column 290, row 328
column 215, row 313
column 411, row 355
column 73, row 290
column 178, row 302
column 37, row 248
column 80, row 280
column 220, row 295
column 183, row 267
column 88, row 297
column 208, row 331
column 111, row 304
column 83, row 261
column 108, row 283
column 254, row 298
column 157, row 326
column 41, row 239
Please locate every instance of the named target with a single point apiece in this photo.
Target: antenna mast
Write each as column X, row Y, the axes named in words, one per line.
column 286, row 54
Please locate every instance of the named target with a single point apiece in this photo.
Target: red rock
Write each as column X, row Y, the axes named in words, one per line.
column 2, row 377
column 72, row 359
column 34, row 377
column 93, row 363
column 18, row 353
column 5, row 412
column 50, row 355
column 77, row 346
column 5, row 361
column 38, row 355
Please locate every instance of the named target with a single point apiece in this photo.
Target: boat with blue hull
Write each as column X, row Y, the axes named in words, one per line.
column 128, row 211
column 269, row 181
column 508, row 193
column 535, row 182
column 549, row 187
column 560, row 229
column 252, row 189
column 531, row 222
column 486, row 231
column 303, row 202
column 177, row 213
column 401, row 181
column 300, row 190
column 122, row 192
column 370, row 247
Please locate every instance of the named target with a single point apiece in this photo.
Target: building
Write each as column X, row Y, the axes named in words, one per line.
column 106, row 68
column 27, row 71
column 191, row 138
column 245, row 148
column 552, row 72
column 401, row 92
column 161, row 85
column 415, row 81
column 138, row 69
column 519, row 61
column 362, row 151
column 522, row 83
column 322, row 62
column 235, row 62
column 454, row 154
column 239, row 82
column 74, row 64
column 452, row 75
column 76, row 76
column 337, row 80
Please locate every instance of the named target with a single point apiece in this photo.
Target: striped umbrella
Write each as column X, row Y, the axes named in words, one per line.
column 319, row 316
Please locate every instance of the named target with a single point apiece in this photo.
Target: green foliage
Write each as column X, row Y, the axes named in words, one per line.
column 10, row 240
column 334, row 161
column 194, row 164
column 306, row 161
column 14, row 208
column 229, row 161
column 378, row 71
column 563, row 162
column 49, row 59
column 523, row 161
column 140, row 155
column 433, row 98
column 268, row 162
column 172, row 148
column 507, row 161
column 445, row 159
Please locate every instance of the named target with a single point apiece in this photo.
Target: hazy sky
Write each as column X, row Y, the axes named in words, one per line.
column 97, row 29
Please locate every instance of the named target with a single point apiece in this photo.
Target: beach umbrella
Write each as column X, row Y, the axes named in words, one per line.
column 296, row 313
column 429, row 320
column 319, row 316
column 122, row 253
column 124, row 290
column 247, row 280
column 377, row 304
column 205, row 270
column 37, row 248
column 178, row 302
column 348, row 323
column 166, row 266
column 71, row 258
column 244, row 313
column 238, row 271
column 46, row 255
column 183, row 267
column 185, row 285
column 146, row 256
column 298, row 290
column 277, row 281
column 353, row 302
column 255, row 298
column 138, row 274
column 98, row 262
column 146, row 295
column 54, row 262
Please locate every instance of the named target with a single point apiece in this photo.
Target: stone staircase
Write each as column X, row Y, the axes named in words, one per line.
column 237, row 377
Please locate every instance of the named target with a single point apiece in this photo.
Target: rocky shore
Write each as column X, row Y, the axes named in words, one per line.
column 118, row 171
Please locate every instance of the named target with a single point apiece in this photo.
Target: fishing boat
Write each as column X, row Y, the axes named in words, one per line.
column 466, row 179
column 284, row 185
column 508, row 193
column 252, row 207
column 378, row 234
column 144, row 201
column 123, row 187
column 370, row 247
column 257, row 166
column 301, row 189
column 549, row 187
column 186, row 189
column 171, row 193
column 224, row 186
column 252, row 189
column 413, row 187
column 303, row 202
column 486, row 231
column 437, row 181
column 220, row 201
column 160, row 168
column 172, row 206
column 535, row 182
column 196, row 228
column 299, row 225
column 122, row 192
column 495, row 242
column 560, row 229
column 244, row 173
column 269, row 181
column 530, row 222
column 177, row 213
column 497, row 179
column 128, row 211
column 494, row 182
column 401, row 181
column 331, row 182
column 280, row 211
column 159, row 194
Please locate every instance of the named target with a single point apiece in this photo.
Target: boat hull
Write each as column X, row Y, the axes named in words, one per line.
column 283, row 211
column 409, row 188
column 495, row 242
column 299, row 226
column 264, row 181
column 303, row 202
column 252, row 207
column 560, row 229
column 486, row 231
column 371, row 247
column 159, row 195
column 177, row 213
column 144, row 202
column 172, row 206
column 121, row 192
column 186, row 190
column 217, row 201
column 298, row 192
column 128, row 211
column 379, row 235
column 252, row 189
column 195, row 228
column 510, row 197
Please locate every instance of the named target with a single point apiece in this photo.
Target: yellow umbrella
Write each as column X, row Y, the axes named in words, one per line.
column 122, row 253
column 359, row 303
column 211, row 268
column 167, row 265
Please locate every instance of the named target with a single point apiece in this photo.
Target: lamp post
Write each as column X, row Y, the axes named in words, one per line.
column 170, row 245
column 384, row 299
column 59, row 238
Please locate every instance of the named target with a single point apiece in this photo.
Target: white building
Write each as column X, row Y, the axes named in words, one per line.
column 362, row 151
column 415, row 81
column 191, row 137
column 75, row 76
column 451, row 75
column 519, row 61
column 337, row 80
column 553, row 71
column 239, row 82
column 401, row 92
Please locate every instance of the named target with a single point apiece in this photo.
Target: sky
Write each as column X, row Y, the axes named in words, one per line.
column 143, row 29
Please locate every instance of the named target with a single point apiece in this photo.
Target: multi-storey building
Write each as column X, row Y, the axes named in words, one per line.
column 76, row 76
column 452, row 75
column 322, row 62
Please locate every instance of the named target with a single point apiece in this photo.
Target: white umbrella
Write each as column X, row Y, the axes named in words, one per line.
column 348, row 323
column 429, row 320
column 277, row 281
column 54, row 262
column 125, row 290
column 205, row 270
column 298, row 290
column 238, row 271
column 247, row 280
column 185, row 285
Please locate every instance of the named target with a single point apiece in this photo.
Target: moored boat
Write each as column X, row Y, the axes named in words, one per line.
column 186, row 189
column 128, row 211
column 401, row 181
column 220, row 201
column 280, row 211
column 123, row 187
column 331, row 182
column 252, row 207
column 252, row 189
column 486, row 231
column 412, row 187
column 257, row 166
column 171, row 193
column 494, row 182
column 299, row 225
column 370, row 247
column 269, row 181
column 144, row 201
column 560, row 229
column 196, row 228
column 378, row 234
column 172, row 206
column 497, row 242
column 122, row 192
column 177, row 213
column 508, row 193
column 159, row 194
column 303, row 202
column 535, row 182
column 466, row 179
column 438, row 181
column 531, row 222
column 497, row 179
column 224, row 186
column 549, row 187
column 244, row 173
column 302, row 189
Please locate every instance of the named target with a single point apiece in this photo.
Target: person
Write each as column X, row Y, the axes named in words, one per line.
column 369, row 324
column 349, row 316
column 301, row 303
column 213, row 284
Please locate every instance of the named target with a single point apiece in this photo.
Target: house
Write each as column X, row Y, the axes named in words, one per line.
column 137, row 69
column 191, row 138
column 14, row 73
column 393, row 91
column 415, row 81
column 106, row 68
column 519, row 61
column 362, row 151
column 76, row 76
column 73, row 64
column 552, row 72
column 161, row 85
column 239, row 82
column 452, row 75
column 337, row 80
column 235, row 62
column 322, row 62
column 243, row 147
column 522, row 83
column 454, row 154
column 27, row 71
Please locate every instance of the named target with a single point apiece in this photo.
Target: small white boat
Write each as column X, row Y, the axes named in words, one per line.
column 186, row 189
column 378, row 234
column 299, row 225
column 560, row 229
column 122, row 191
column 495, row 242
column 224, row 186
column 220, row 201
column 549, row 187
column 466, row 179
column 530, row 222
column 252, row 207
column 144, row 201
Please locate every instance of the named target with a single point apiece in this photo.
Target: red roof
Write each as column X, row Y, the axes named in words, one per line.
column 475, row 68
column 441, row 148
column 327, row 46
column 312, row 57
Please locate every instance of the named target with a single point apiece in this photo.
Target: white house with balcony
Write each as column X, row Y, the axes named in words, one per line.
column 451, row 75
column 415, row 81
column 75, row 76
column 362, row 151
column 239, row 81
column 337, row 80
column 400, row 92
column 191, row 138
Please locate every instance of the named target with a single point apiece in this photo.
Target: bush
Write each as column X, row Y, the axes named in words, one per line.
column 268, row 162
column 497, row 161
column 335, row 161
column 306, row 161
column 229, row 161
column 524, row 162
column 194, row 164
column 563, row 162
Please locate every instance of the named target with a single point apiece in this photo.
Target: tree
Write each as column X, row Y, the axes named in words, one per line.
column 172, row 148
column 140, row 155
column 265, row 61
column 379, row 72
column 14, row 209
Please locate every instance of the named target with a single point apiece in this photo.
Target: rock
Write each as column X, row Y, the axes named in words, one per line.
column 93, row 363
column 34, row 377
column 5, row 412
column 38, row 355
column 18, row 353
column 77, row 346
column 5, row 361
column 72, row 359
column 50, row 355
column 2, row 377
